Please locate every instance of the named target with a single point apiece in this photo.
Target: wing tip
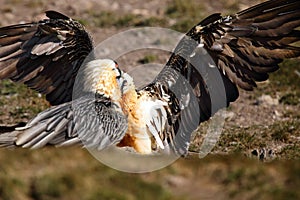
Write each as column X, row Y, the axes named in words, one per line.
column 56, row 15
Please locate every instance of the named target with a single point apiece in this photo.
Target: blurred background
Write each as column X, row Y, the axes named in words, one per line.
column 266, row 119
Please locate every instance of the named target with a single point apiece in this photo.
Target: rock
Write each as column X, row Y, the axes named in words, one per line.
column 229, row 115
column 176, row 181
column 267, row 100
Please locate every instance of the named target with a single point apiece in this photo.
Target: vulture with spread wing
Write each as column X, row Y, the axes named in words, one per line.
column 48, row 55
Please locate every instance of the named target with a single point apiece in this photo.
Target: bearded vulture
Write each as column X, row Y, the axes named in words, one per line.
column 47, row 56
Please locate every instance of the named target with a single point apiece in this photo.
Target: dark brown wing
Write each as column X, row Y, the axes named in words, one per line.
column 45, row 55
column 251, row 44
column 219, row 54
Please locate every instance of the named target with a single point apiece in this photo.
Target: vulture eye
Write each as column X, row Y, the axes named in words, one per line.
column 119, row 73
column 117, row 65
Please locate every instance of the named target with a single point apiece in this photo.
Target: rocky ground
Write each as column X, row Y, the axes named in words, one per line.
column 265, row 119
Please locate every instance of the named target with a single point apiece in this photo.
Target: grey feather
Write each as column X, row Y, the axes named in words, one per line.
column 69, row 123
column 35, row 140
column 31, row 133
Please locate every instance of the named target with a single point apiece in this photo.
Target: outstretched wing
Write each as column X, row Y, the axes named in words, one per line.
column 89, row 121
column 219, row 54
column 45, row 55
